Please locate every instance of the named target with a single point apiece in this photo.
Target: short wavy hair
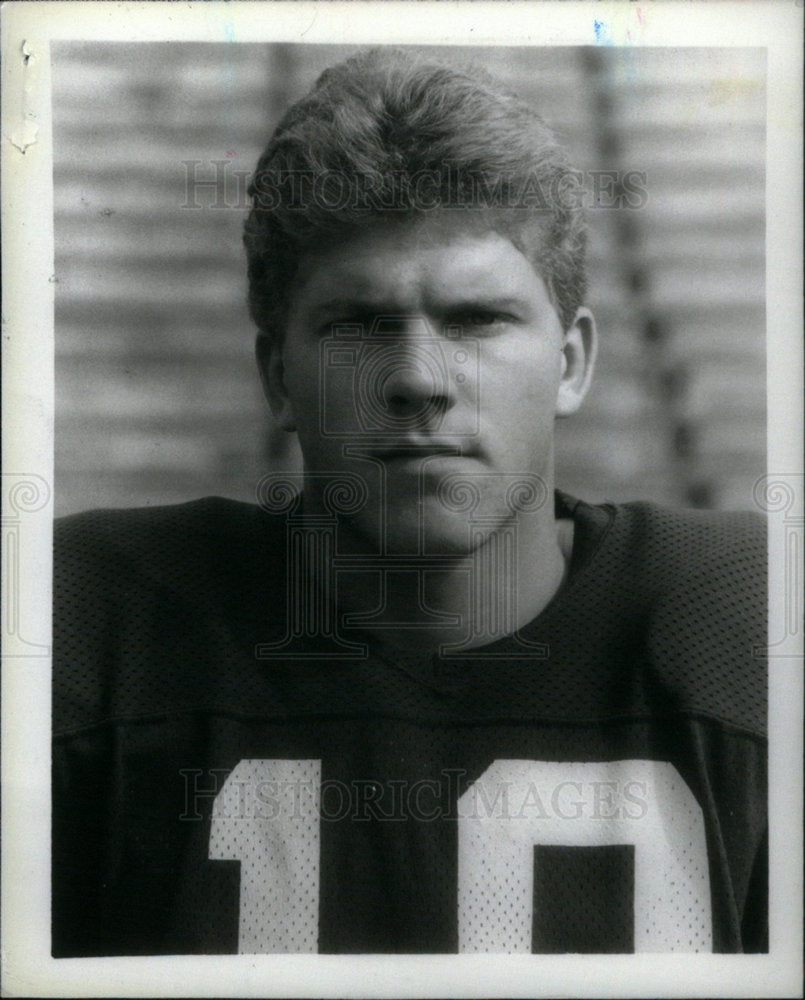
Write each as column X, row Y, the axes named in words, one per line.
column 388, row 134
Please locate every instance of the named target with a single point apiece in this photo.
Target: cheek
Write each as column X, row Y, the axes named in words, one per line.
column 302, row 376
column 523, row 377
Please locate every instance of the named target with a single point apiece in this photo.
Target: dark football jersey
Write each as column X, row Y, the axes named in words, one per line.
column 232, row 772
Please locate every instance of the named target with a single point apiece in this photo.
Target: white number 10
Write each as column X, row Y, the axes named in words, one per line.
column 267, row 817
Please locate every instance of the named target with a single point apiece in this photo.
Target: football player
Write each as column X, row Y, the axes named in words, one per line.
column 414, row 699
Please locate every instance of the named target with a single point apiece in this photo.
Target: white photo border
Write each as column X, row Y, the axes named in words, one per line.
column 28, row 29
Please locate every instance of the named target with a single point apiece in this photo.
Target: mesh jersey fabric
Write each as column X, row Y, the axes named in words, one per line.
column 594, row 783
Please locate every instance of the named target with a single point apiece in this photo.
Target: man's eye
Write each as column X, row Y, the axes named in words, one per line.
column 478, row 319
column 344, row 326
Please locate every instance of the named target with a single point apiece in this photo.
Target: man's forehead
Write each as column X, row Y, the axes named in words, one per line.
column 443, row 255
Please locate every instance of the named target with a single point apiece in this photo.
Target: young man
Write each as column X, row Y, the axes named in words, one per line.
column 416, row 700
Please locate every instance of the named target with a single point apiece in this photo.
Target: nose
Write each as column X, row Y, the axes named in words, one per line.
column 414, row 384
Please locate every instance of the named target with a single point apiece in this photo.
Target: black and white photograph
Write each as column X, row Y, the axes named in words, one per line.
column 421, row 526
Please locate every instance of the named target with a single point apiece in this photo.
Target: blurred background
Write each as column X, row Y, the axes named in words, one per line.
column 157, row 395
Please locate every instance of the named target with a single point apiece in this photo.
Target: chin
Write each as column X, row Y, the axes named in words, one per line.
column 412, row 530
column 453, row 544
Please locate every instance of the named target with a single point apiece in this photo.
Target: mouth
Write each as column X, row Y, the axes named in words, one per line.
column 406, row 452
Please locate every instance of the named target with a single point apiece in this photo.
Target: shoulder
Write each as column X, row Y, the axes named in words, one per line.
column 189, row 556
column 690, row 545
column 148, row 598
column 704, row 571
column 665, row 547
column 690, row 588
column 161, row 541
column 121, row 529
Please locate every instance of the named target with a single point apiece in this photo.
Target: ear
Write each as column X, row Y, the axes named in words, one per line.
column 579, row 350
column 272, row 376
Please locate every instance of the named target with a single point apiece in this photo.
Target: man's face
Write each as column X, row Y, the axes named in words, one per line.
column 419, row 351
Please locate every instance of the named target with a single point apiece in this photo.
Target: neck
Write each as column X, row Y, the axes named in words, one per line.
column 419, row 604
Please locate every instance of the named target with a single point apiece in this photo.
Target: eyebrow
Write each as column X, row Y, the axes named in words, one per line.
column 490, row 302
column 467, row 303
column 350, row 306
